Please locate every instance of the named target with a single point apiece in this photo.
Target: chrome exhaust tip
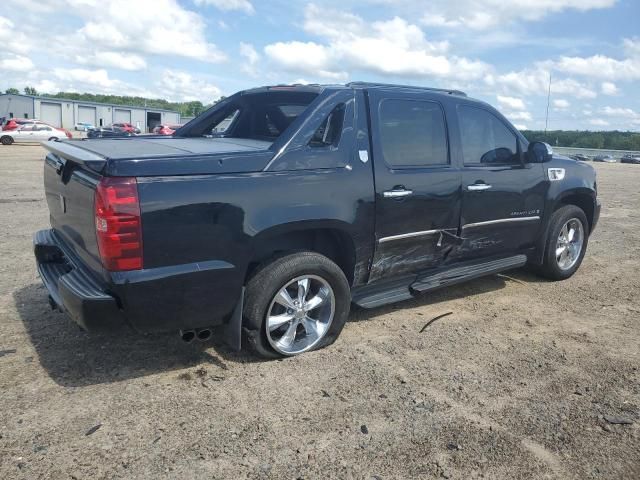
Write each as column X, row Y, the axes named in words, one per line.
column 203, row 334
column 187, row 335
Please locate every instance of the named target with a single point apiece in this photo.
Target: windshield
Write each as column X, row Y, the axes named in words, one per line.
column 258, row 116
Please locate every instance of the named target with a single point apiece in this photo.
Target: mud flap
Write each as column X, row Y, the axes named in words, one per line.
column 233, row 329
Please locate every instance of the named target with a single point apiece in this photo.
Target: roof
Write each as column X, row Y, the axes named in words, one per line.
column 85, row 102
column 316, row 87
column 412, row 87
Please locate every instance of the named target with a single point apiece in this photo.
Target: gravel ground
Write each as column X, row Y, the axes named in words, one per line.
column 522, row 380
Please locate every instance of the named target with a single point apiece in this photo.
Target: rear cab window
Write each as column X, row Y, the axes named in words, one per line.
column 264, row 115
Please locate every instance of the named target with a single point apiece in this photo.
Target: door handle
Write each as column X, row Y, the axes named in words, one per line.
column 478, row 187
column 397, row 193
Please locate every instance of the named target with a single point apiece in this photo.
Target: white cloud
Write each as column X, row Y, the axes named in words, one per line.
column 16, row 63
column 514, row 116
column 510, row 102
column 600, row 66
column 252, row 58
column 598, row 122
column 621, row 112
column 520, row 126
column 146, row 26
column 123, row 61
column 632, row 46
column 391, row 47
column 609, row 88
column 13, row 40
column 535, row 81
column 94, row 78
column 561, row 104
column 304, row 57
column 182, row 86
column 485, row 14
column 229, row 5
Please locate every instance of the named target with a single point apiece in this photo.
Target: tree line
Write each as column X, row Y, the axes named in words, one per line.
column 614, row 140
column 186, row 109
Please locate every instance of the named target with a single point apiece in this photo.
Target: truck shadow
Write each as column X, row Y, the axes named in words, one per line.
column 74, row 358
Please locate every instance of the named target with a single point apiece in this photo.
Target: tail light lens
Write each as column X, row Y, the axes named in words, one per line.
column 118, row 223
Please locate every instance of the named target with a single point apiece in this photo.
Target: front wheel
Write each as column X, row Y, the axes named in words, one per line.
column 566, row 243
column 296, row 303
column 6, row 140
column 53, row 139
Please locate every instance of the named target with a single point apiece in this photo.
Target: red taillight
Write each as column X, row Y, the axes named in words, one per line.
column 118, row 223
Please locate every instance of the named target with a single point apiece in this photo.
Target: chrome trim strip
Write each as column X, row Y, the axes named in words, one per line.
column 408, row 235
column 501, row 220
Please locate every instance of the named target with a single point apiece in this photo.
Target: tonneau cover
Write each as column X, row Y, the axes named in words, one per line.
column 146, row 147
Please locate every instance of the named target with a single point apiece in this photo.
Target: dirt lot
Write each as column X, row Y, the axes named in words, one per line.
column 518, row 382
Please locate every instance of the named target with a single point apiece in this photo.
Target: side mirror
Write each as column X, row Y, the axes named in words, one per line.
column 539, row 152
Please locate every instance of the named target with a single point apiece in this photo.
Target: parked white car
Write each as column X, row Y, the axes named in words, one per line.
column 83, row 126
column 36, row 132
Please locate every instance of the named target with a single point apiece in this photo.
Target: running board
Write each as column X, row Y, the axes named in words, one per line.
column 383, row 293
column 463, row 274
column 399, row 289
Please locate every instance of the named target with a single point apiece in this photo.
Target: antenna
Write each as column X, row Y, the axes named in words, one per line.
column 546, row 120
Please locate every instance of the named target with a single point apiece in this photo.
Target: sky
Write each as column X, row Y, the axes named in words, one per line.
column 500, row 51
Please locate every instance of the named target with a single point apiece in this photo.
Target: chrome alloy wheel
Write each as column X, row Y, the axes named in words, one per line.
column 569, row 244
column 300, row 314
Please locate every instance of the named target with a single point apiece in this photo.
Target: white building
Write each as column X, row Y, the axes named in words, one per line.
column 65, row 113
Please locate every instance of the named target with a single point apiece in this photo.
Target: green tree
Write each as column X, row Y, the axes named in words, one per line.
column 12, row 91
column 30, row 91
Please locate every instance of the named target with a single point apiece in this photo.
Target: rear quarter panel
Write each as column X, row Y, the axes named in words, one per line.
column 194, row 220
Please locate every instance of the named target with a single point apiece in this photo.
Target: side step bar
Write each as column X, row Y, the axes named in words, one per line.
column 463, row 274
column 378, row 294
column 383, row 293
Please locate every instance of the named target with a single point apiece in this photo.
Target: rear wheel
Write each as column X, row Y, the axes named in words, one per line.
column 296, row 303
column 566, row 243
column 53, row 139
column 6, row 140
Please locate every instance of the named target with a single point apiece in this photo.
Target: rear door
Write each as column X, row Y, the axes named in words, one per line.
column 24, row 134
column 503, row 197
column 417, row 187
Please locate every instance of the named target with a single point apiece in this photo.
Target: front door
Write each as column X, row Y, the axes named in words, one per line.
column 417, row 187
column 502, row 197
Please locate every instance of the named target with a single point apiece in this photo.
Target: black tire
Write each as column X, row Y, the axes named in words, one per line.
column 550, row 268
column 271, row 277
column 6, row 140
column 53, row 139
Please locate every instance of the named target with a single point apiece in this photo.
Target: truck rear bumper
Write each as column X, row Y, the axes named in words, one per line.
column 72, row 289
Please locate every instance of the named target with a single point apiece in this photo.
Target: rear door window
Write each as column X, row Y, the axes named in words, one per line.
column 413, row 133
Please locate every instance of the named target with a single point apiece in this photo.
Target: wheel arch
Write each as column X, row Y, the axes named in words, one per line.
column 329, row 238
column 583, row 198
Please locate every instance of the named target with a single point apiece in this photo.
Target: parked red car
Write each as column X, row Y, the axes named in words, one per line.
column 166, row 129
column 126, row 127
column 15, row 123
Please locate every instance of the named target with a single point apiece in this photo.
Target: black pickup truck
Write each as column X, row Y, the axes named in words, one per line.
column 273, row 211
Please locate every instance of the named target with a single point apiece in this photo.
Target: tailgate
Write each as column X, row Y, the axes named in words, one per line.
column 71, row 175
